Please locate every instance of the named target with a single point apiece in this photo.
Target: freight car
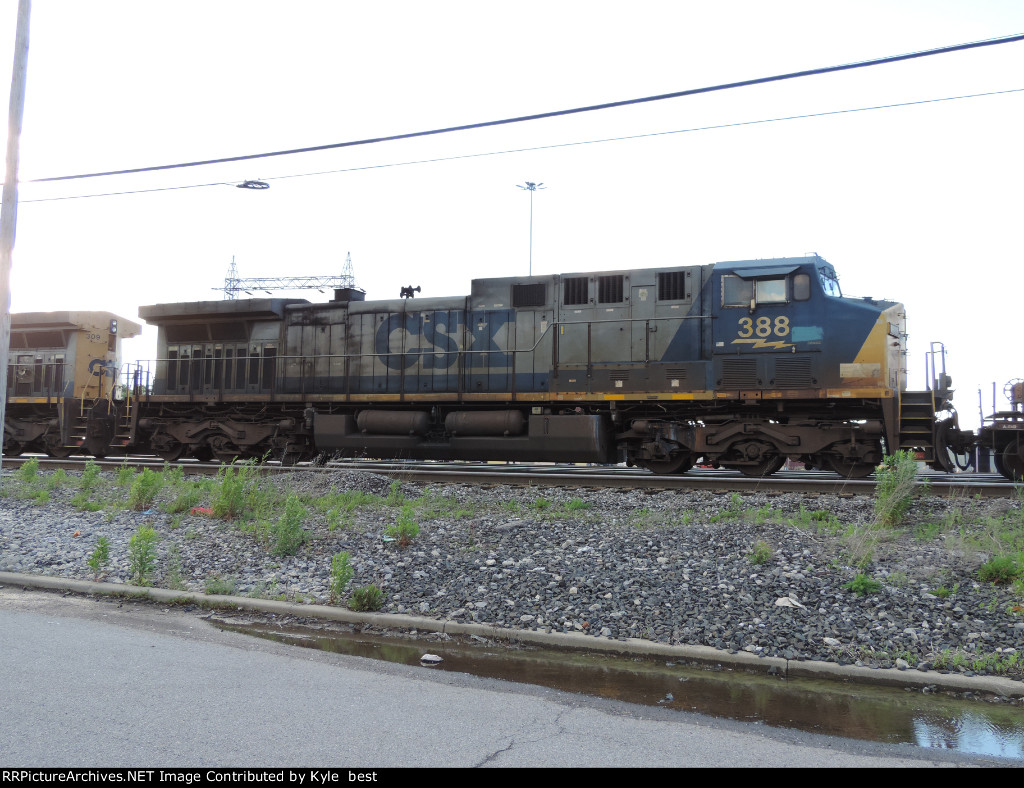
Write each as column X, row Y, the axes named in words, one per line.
column 1002, row 433
column 62, row 373
column 740, row 364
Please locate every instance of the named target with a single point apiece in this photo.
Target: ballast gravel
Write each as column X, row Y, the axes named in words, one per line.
column 676, row 567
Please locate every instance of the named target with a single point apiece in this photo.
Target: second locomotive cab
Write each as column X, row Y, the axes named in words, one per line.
column 740, row 364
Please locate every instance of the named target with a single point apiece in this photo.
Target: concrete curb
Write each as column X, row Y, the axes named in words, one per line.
column 702, row 655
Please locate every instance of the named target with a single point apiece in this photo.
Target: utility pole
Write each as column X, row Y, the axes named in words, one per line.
column 531, row 187
column 9, row 201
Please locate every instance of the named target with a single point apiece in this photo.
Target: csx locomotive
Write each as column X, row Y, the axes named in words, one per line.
column 62, row 372
column 740, row 364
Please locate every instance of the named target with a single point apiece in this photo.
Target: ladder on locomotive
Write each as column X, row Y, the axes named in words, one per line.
column 917, row 423
column 918, row 409
column 118, row 399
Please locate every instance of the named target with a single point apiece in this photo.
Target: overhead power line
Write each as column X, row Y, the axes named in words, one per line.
column 551, row 146
column 553, row 114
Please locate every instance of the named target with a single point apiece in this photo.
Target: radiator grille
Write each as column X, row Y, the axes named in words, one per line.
column 672, row 286
column 793, row 372
column 739, row 373
column 528, row 295
column 609, row 289
column 575, row 291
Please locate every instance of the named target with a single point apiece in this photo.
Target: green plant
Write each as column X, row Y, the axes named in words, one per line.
column 100, row 557
column 863, row 585
column 264, row 590
column 395, row 495
column 928, row 531
column 341, row 574
column 287, row 532
column 942, row 592
column 734, row 511
column 90, row 474
column 217, row 585
column 434, row 506
column 340, row 508
column 542, row 504
column 173, row 578
column 28, row 470
column 81, row 501
column 125, row 475
column 760, row 553
column 405, row 528
column 366, row 598
column 894, row 488
column 1000, row 570
column 186, row 500
column 57, row 479
column 142, row 554
column 41, row 497
column 144, row 488
column 175, row 477
column 237, row 493
column 576, row 504
column 818, row 519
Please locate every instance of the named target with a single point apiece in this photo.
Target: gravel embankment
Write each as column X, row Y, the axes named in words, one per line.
column 673, row 567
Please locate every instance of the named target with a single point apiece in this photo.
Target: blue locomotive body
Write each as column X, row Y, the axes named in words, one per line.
column 742, row 364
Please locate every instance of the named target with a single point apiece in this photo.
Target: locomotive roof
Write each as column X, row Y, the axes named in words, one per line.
column 776, row 266
column 28, row 321
column 251, row 308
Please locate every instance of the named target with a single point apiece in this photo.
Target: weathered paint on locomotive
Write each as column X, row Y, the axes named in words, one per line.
column 669, row 333
column 576, row 356
column 65, row 354
column 61, row 364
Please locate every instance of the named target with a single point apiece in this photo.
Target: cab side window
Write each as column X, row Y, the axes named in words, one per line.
column 737, row 291
column 770, row 291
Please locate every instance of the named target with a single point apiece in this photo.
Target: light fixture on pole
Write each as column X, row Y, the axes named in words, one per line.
column 531, row 187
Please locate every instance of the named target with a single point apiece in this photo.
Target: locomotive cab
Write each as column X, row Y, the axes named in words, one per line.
column 62, row 366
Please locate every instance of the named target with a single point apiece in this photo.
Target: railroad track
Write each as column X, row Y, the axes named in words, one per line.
column 581, row 476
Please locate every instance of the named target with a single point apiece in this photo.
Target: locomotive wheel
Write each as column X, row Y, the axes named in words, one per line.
column 850, row 469
column 1009, row 462
column 679, row 463
column 172, row 454
column 55, row 450
column 766, row 467
column 13, row 448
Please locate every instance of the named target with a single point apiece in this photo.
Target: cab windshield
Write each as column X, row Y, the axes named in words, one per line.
column 829, row 282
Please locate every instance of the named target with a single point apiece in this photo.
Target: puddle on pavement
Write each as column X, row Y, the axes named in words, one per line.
column 853, row 711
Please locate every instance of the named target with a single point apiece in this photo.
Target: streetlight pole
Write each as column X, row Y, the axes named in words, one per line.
column 9, row 199
column 531, row 187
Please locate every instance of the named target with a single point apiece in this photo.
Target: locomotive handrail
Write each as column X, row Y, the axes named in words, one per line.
column 457, row 351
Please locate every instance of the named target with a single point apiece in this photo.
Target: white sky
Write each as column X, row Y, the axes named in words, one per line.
column 920, row 204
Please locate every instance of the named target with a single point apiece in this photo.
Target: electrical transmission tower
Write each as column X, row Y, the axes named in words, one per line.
column 233, row 285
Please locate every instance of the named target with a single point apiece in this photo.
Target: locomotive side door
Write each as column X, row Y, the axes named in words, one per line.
column 768, row 330
column 641, row 304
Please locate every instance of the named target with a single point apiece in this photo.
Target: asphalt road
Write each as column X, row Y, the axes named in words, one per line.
column 104, row 683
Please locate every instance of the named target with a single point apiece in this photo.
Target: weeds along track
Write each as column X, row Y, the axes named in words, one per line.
column 585, row 476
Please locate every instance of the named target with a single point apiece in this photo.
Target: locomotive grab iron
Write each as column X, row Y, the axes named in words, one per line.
column 740, row 364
